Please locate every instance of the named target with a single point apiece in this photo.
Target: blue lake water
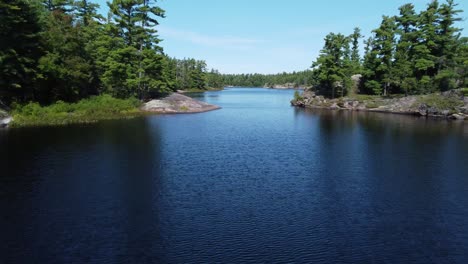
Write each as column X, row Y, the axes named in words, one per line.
column 255, row 182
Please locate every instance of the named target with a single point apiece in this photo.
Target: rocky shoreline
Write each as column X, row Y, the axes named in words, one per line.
column 448, row 105
column 5, row 119
column 177, row 104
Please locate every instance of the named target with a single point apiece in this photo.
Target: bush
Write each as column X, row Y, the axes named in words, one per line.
column 297, row 96
column 85, row 111
column 464, row 91
column 371, row 105
column 440, row 102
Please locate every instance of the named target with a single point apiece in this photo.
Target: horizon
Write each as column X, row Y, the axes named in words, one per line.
column 254, row 40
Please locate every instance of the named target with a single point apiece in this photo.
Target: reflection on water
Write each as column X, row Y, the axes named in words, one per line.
column 257, row 181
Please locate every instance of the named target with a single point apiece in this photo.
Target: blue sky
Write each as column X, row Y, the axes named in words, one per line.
column 266, row 36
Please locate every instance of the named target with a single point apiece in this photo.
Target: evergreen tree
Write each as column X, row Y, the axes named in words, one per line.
column 426, row 49
column 135, row 21
column 58, row 5
column 447, row 45
column 66, row 68
column 86, row 11
column 332, row 66
column 404, row 53
column 355, row 58
column 20, row 49
column 384, row 43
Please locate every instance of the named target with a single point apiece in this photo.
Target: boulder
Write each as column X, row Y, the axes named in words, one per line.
column 177, row 104
column 334, row 106
column 458, row 116
column 5, row 121
column 422, row 109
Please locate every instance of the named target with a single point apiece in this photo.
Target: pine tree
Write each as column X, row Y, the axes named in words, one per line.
column 404, row 53
column 86, row 11
column 332, row 66
column 383, row 45
column 20, row 49
column 136, row 21
column 355, row 57
column 447, row 44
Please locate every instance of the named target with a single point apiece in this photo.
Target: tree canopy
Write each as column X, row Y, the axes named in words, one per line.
column 64, row 50
column 411, row 53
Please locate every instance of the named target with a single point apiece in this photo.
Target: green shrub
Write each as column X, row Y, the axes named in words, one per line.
column 365, row 97
column 85, row 111
column 371, row 105
column 297, row 96
column 440, row 102
column 464, row 91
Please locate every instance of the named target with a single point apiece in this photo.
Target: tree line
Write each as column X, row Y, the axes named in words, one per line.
column 294, row 79
column 53, row 50
column 410, row 53
column 64, row 50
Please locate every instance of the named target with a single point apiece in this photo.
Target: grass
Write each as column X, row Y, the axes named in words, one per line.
column 85, row 111
column 464, row 91
column 372, row 105
column 365, row 97
column 440, row 102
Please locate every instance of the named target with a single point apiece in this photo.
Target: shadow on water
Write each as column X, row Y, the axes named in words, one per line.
column 255, row 182
column 392, row 178
column 81, row 193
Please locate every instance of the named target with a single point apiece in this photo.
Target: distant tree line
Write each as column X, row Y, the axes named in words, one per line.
column 295, row 79
column 410, row 53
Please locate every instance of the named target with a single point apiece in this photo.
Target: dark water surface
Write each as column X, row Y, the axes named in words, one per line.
column 257, row 181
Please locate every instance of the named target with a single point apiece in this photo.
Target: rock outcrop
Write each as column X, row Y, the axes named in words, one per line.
column 454, row 104
column 5, row 119
column 177, row 104
column 4, row 122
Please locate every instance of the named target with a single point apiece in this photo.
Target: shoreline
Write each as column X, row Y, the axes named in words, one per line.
column 95, row 109
column 451, row 105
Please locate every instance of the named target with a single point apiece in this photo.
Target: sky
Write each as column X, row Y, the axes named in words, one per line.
column 267, row 36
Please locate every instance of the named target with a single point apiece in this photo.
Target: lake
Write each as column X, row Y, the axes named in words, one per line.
column 255, row 182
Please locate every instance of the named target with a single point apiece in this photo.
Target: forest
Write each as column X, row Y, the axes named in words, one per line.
column 410, row 53
column 294, row 79
column 64, row 50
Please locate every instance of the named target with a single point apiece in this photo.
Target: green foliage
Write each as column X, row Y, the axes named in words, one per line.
column 189, row 74
column 464, row 91
column 294, row 79
column 333, row 66
column 355, row 57
column 20, row 49
column 416, row 53
column 440, row 102
column 84, row 111
column 372, row 105
column 61, row 50
column 297, row 96
column 365, row 97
